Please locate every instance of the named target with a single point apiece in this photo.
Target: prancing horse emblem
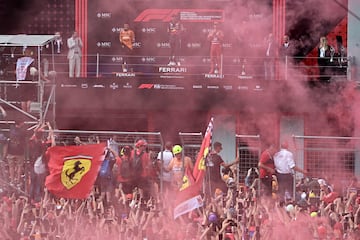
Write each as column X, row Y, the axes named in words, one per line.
column 74, row 169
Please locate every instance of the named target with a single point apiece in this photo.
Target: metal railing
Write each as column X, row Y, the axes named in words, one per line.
column 241, row 67
column 335, row 159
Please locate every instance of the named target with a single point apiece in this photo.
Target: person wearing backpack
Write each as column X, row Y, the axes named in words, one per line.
column 134, row 168
column 123, row 170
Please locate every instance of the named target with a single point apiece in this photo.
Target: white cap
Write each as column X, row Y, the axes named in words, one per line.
column 321, row 182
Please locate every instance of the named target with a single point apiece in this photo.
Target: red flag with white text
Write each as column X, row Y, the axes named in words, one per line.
column 189, row 198
column 74, row 169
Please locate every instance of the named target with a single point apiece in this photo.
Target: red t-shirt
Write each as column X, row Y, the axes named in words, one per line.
column 135, row 171
column 119, row 177
column 145, row 162
column 268, row 161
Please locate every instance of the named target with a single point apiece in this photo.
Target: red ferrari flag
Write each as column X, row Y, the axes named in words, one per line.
column 188, row 179
column 199, row 167
column 188, row 198
column 74, row 169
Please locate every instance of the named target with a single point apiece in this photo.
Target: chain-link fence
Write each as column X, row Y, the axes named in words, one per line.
column 330, row 158
column 191, row 143
column 249, row 150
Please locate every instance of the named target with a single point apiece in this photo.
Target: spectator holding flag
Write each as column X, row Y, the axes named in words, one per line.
column 39, row 144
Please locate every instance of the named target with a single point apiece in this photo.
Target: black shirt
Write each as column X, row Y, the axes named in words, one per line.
column 214, row 168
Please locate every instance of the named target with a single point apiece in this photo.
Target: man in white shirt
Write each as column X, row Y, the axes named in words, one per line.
column 164, row 158
column 285, row 168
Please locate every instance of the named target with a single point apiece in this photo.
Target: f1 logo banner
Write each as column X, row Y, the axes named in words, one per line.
column 186, row 15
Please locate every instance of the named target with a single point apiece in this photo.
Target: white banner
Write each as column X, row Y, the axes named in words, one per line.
column 188, row 205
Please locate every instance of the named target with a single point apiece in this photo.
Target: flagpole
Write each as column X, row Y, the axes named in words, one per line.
column 207, row 161
column 207, row 183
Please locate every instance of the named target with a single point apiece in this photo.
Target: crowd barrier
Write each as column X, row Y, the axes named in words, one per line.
column 333, row 158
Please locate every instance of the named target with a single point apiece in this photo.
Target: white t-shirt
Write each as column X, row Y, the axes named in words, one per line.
column 284, row 161
column 167, row 156
column 322, row 52
column 22, row 65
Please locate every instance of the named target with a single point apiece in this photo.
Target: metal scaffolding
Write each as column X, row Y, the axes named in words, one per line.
column 39, row 109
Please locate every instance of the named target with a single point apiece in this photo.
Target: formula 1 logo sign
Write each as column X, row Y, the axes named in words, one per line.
column 146, row 86
column 186, row 15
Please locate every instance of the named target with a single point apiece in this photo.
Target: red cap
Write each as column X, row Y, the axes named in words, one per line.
column 129, row 196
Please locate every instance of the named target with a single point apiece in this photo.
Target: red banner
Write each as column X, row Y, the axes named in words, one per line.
column 199, row 167
column 74, row 169
column 189, row 198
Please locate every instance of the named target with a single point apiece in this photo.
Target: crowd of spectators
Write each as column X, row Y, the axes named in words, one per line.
column 319, row 210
